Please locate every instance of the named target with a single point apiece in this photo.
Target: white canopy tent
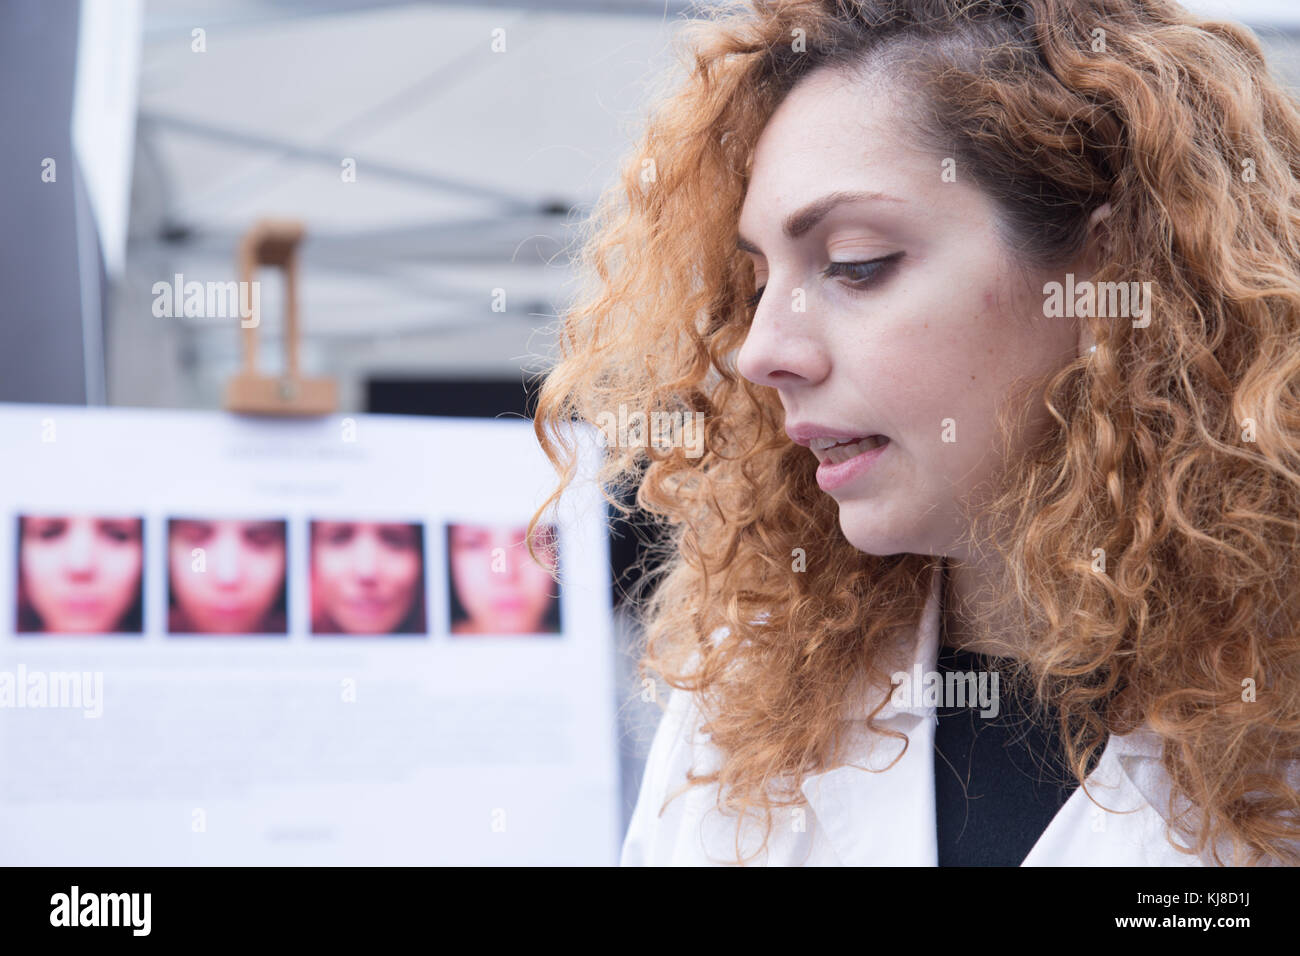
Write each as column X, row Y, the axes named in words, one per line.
column 471, row 166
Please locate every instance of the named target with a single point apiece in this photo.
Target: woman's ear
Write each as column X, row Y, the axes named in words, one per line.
column 1098, row 240
column 1095, row 251
column 1087, row 342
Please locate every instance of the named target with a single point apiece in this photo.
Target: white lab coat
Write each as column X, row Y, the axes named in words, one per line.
column 859, row 818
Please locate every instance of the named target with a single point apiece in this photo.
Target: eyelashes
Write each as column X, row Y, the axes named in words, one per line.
column 852, row 270
column 860, row 275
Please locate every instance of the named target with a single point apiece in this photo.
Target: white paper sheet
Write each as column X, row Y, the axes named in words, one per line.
column 430, row 747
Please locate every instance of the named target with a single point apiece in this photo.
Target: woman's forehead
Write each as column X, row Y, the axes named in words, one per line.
column 831, row 136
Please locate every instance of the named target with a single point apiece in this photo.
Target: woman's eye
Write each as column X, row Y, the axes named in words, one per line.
column 119, row 533
column 399, row 538
column 51, row 529
column 861, row 272
column 260, row 536
column 194, row 532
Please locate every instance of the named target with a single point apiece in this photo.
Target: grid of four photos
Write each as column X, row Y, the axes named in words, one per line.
column 84, row 574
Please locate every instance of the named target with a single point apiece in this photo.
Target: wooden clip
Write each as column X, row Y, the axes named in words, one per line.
column 275, row 243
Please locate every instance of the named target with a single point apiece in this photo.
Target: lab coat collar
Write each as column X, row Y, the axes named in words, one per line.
column 877, row 816
column 852, row 803
column 913, row 652
column 919, row 654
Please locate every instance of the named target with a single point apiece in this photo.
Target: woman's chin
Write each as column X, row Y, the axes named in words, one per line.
column 868, row 534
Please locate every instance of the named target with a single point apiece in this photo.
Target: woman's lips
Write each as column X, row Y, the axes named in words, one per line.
column 844, row 450
column 369, row 606
column 835, row 474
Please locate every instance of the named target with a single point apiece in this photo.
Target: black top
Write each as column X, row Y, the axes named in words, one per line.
column 999, row 780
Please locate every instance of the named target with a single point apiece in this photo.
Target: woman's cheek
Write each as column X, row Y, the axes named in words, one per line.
column 126, row 569
column 39, row 561
column 182, row 574
column 267, row 570
column 38, row 571
column 332, row 566
column 473, row 568
column 537, row 581
column 465, row 589
column 404, row 570
column 122, row 564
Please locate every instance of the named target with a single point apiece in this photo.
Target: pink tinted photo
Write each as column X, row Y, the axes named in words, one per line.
column 79, row 574
column 496, row 586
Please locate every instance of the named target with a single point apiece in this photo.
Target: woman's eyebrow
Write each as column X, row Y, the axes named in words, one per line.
column 801, row 220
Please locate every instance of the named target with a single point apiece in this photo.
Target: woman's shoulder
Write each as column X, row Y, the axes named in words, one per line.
column 672, row 751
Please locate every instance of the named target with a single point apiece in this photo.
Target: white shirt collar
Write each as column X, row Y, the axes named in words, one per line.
column 918, row 652
column 832, row 793
column 916, row 649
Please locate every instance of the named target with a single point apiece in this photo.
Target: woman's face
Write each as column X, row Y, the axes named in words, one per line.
column 502, row 589
column 919, row 348
column 365, row 576
column 243, row 573
column 81, row 574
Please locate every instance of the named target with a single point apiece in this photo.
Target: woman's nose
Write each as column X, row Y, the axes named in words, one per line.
column 224, row 559
column 365, row 556
column 79, row 555
column 781, row 348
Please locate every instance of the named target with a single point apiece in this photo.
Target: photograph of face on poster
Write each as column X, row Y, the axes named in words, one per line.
column 226, row 576
column 495, row 586
column 79, row 574
column 367, row 578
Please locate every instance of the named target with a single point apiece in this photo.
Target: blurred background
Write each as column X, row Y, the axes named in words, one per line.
column 438, row 154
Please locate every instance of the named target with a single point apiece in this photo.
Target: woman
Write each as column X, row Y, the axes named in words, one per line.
column 845, row 238
column 497, row 585
column 80, row 574
column 367, row 577
column 227, row 577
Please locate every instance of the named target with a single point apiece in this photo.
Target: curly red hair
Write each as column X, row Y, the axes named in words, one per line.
column 1177, row 447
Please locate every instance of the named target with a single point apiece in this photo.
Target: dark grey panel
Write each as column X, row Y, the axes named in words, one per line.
column 43, row 350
